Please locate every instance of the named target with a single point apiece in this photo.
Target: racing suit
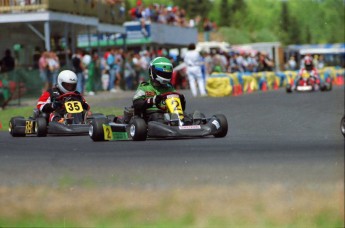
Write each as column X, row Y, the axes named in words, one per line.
column 313, row 75
column 143, row 100
column 47, row 104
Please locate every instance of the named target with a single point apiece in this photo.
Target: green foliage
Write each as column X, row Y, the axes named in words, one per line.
column 287, row 21
column 224, row 13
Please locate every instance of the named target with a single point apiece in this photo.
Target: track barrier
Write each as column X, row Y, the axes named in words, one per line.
column 235, row 84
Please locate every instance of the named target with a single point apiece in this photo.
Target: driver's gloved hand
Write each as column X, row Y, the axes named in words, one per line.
column 157, row 99
column 56, row 104
column 154, row 100
column 85, row 106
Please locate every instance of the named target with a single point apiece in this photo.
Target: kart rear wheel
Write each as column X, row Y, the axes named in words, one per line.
column 223, row 126
column 15, row 123
column 342, row 126
column 96, row 132
column 138, row 129
column 41, row 127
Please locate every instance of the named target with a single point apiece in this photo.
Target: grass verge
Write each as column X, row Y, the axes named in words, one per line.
column 273, row 205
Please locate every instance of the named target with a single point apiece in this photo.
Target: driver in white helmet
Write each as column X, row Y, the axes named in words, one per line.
column 47, row 103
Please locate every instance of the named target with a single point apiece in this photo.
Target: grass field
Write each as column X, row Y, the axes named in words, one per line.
column 245, row 205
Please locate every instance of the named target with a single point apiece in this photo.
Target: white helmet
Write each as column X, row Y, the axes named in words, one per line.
column 67, row 81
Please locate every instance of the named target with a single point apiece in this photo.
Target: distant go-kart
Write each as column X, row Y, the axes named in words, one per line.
column 175, row 124
column 76, row 121
column 342, row 125
column 306, row 83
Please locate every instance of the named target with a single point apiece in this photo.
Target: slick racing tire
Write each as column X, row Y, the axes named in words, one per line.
column 96, row 131
column 41, row 127
column 17, row 126
column 138, row 129
column 342, row 126
column 223, row 126
column 288, row 88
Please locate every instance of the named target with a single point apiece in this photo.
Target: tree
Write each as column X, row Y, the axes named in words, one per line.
column 224, row 13
column 237, row 12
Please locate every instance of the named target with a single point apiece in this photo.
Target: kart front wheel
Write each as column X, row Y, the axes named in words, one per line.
column 138, row 129
column 17, row 126
column 41, row 127
column 223, row 126
column 96, row 131
column 288, row 88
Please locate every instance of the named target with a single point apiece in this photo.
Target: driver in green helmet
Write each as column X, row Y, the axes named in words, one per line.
column 148, row 94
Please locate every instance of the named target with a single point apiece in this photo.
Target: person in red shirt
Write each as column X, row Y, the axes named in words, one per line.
column 47, row 103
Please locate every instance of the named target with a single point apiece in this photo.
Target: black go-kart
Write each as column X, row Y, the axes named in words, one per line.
column 176, row 124
column 75, row 120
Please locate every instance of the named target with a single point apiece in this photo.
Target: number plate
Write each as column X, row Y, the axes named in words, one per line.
column 73, row 107
column 29, row 127
column 108, row 134
column 174, row 105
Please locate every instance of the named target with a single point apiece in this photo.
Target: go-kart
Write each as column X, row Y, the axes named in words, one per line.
column 176, row 124
column 75, row 120
column 307, row 83
column 342, row 125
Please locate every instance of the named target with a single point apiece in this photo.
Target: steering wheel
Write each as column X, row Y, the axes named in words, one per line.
column 164, row 97
column 70, row 94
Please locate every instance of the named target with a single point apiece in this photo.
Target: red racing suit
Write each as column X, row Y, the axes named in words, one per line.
column 313, row 73
column 46, row 105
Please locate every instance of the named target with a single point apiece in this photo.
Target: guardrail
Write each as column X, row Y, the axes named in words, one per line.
column 107, row 11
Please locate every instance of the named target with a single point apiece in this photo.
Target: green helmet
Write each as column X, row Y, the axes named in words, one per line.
column 161, row 70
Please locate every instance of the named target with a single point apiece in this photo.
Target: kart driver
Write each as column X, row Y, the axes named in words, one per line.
column 308, row 69
column 47, row 103
column 148, row 94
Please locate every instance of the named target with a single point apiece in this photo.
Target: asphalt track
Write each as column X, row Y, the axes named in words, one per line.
column 273, row 137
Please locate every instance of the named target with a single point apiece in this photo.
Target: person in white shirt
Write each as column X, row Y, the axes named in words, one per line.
column 192, row 59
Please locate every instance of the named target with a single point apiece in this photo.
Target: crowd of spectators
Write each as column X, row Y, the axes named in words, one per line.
column 172, row 15
column 237, row 61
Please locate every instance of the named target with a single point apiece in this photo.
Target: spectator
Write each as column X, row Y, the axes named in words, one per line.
column 44, row 72
column 192, row 59
column 114, row 65
column 321, row 62
column 90, row 65
column 207, row 28
column 129, row 72
column 265, row 63
column 7, row 63
column 291, row 64
column 53, row 66
column 78, row 68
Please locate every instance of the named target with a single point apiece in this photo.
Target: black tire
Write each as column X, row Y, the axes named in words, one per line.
column 288, row 88
column 17, row 126
column 342, row 126
column 222, row 132
column 138, row 129
column 41, row 127
column 323, row 87
column 96, row 132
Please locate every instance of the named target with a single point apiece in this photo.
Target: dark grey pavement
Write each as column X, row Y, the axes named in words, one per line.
column 274, row 137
